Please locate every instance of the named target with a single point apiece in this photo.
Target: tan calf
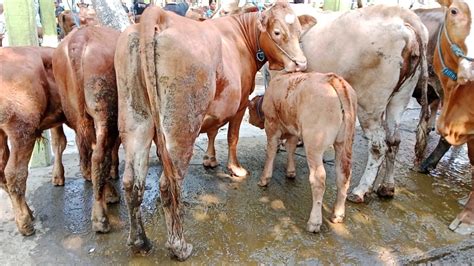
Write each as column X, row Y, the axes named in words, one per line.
column 320, row 109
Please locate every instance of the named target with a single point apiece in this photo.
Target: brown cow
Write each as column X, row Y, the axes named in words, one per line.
column 178, row 78
column 454, row 65
column 29, row 104
column 320, row 109
column 83, row 66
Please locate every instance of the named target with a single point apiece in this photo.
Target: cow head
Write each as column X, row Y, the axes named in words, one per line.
column 460, row 29
column 456, row 122
column 256, row 116
column 280, row 31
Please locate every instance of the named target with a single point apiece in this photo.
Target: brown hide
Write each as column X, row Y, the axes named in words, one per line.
column 83, row 66
column 197, row 76
column 29, row 104
column 456, row 122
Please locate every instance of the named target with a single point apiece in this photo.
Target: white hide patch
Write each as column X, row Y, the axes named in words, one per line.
column 290, row 18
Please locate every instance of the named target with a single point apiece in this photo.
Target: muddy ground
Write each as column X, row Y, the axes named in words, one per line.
column 234, row 221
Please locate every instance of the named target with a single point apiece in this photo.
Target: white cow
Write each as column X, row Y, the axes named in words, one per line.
column 380, row 51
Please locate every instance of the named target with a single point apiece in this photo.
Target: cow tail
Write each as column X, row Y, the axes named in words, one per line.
column 422, row 128
column 345, row 137
column 149, row 27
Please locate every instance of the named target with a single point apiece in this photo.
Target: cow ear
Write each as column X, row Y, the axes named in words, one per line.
column 306, row 22
column 445, row 3
column 262, row 22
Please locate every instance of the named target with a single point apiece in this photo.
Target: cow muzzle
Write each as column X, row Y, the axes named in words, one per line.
column 296, row 66
column 466, row 71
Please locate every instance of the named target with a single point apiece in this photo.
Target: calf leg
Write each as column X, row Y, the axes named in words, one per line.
column 433, row 159
column 343, row 158
column 59, row 143
column 317, row 179
column 291, row 144
column 464, row 222
column 137, row 143
column 377, row 147
column 16, row 173
column 232, row 138
column 4, row 154
column 210, row 157
column 273, row 138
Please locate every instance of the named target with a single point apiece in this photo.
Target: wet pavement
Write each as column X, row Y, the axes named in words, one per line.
column 233, row 221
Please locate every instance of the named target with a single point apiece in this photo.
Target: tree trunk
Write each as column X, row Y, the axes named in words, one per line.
column 359, row 4
column 111, row 13
column 21, row 23
column 48, row 19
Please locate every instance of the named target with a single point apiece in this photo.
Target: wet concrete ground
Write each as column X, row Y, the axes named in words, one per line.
column 233, row 221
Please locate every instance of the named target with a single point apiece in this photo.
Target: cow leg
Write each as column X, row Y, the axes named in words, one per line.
column 16, row 173
column 137, row 144
column 273, row 140
column 395, row 110
column 232, row 138
column 375, row 133
column 433, row 159
column 343, row 159
column 464, row 222
column 59, row 143
column 104, row 192
column 433, row 110
column 210, row 157
column 85, row 136
column 4, row 154
column 114, row 170
column 317, row 179
column 291, row 144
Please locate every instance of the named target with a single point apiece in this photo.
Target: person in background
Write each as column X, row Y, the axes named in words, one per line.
column 178, row 8
column 212, row 9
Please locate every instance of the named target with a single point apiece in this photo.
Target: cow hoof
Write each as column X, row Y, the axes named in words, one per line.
column 355, row 198
column 300, row 143
column 386, row 191
column 237, row 171
column 140, row 246
column 335, row 219
column 210, row 161
column 181, row 252
column 27, row 229
column 291, row 174
column 461, row 228
column 58, row 181
column 101, row 226
column 263, row 182
column 111, row 194
column 313, row 228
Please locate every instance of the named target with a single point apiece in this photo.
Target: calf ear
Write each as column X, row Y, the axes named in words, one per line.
column 306, row 22
column 445, row 3
column 262, row 22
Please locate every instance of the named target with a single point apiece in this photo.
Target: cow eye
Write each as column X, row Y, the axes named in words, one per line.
column 454, row 11
column 277, row 32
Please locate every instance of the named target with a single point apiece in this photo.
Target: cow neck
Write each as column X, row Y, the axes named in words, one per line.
column 248, row 26
column 448, row 63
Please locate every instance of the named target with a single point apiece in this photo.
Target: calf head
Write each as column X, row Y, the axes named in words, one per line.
column 460, row 29
column 279, row 36
column 256, row 116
